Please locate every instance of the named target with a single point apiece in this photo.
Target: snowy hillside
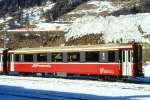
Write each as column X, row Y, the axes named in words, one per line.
column 92, row 7
column 27, row 13
column 123, row 28
column 91, row 17
column 35, row 14
column 24, row 16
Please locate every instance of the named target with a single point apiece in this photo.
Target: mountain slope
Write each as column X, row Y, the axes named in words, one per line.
column 11, row 6
column 114, row 21
column 27, row 13
column 85, row 21
column 125, row 28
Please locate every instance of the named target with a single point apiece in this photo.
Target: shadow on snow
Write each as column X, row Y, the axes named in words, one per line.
column 20, row 93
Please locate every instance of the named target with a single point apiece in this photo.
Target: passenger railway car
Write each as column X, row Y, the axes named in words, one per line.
column 99, row 60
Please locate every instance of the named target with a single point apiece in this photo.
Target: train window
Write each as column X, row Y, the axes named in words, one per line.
column 123, row 56
column 42, row 57
column 92, row 56
column 57, row 57
column 73, row 57
column 17, row 58
column 28, row 57
column 111, row 56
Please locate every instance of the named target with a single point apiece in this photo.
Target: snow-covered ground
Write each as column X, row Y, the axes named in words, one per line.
column 147, row 69
column 34, row 88
column 123, row 28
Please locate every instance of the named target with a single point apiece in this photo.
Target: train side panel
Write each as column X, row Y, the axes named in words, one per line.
column 78, row 68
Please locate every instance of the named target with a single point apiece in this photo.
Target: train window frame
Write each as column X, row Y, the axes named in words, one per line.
column 117, row 56
column 49, row 57
column 71, row 56
column 12, row 58
column 58, row 59
column 28, row 60
column 82, row 56
column 0, row 57
column 92, row 59
column 65, row 55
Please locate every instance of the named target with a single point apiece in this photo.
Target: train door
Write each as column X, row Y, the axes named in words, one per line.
column 4, row 59
column 12, row 62
column 127, row 63
column 1, row 62
column 137, row 60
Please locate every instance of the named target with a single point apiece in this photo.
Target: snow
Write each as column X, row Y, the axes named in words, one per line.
column 8, row 18
column 104, row 6
column 146, row 78
column 34, row 14
column 43, row 27
column 31, row 88
column 48, row 6
column 99, row 6
column 5, row 20
column 123, row 28
column 1, row 21
column 52, row 27
column 147, row 69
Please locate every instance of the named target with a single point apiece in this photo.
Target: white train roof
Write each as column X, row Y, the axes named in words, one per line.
column 110, row 47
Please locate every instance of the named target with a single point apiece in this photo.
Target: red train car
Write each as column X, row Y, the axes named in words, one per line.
column 100, row 60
